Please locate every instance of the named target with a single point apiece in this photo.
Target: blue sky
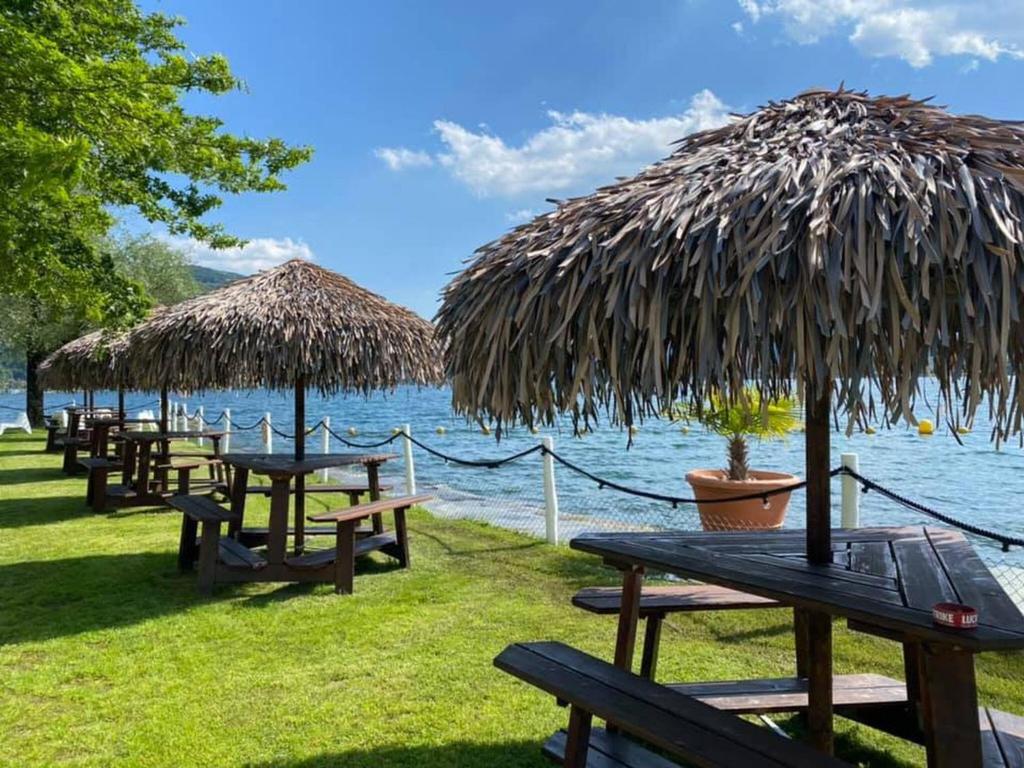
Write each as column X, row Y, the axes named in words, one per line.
column 439, row 125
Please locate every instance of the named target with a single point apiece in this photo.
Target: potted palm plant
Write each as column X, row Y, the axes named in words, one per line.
column 748, row 418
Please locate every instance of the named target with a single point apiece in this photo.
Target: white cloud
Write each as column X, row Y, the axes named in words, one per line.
column 398, row 158
column 916, row 31
column 520, row 216
column 576, row 147
column 257, row 254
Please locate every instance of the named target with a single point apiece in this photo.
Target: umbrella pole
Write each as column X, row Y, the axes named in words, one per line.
column 163, row 409
column 300, row 453
column 817, row 629
column 120, row 406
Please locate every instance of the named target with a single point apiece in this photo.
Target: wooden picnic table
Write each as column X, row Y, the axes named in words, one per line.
column 283, row 469
column 884, row 581
column 233, row 558
column 138, row 482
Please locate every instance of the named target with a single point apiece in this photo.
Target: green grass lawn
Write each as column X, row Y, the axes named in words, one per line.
column 108, row 657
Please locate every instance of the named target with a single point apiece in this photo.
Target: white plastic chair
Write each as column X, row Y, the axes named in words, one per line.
column 21, row 423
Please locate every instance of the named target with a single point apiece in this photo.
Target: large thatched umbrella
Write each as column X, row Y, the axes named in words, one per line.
column 830, row 243
column 292, row 327
column 834, row 241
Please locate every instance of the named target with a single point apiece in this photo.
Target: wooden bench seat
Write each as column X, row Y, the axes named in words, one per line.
column 321, row 557
column 201, row 510
column 657, row 602
column 679, row 725
column 850, row 693
column 348, row 546
column 607, row 750
column 235, row 555
column 1002, row 738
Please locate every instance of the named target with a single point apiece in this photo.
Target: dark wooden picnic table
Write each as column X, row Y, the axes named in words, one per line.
column 884, row 581
column 137, row 477
column 282, row 470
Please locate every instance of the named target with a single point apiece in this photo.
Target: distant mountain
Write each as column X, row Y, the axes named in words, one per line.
column 209, row 279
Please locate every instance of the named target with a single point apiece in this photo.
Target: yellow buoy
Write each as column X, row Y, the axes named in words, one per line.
column 684, row 429
column 869, row 430
column 353, row 431
column 395, row 430
column 925, row 427
column 963, row 431
column 485, row 429
column 534, row 430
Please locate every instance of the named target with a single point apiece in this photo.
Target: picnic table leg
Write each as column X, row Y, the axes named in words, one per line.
column 402, row 538
column 209, row 546
column 949, row 698
column 345, row 558
column 577, row 741
column 629, row 615
column 142, row 484
column 300, row 513
column 819, row 680
column 912, row 674
column 128, row 471
column 277, row 538
column 238, row 495
column 652, row 641
column 373, row 483
column 99, row 480
column 187, row 544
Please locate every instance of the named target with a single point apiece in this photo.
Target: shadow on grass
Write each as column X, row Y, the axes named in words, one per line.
column 17, row 513
column 863, row 750
column 27, row 476
column 45, row 599
column 512, row 754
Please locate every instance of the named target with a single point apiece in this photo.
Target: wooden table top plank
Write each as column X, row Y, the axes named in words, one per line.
column 873, row 557
column 684, row 555
column 973, row 580
column 922, row 579
column 835, row 571
column 282, row 463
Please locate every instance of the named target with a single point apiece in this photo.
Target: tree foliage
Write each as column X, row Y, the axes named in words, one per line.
column 90, row 119
column 161, row 269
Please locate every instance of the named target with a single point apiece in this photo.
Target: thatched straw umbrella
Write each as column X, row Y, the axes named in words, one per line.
column 833, row 242
column 85, row 363
column 292, row 327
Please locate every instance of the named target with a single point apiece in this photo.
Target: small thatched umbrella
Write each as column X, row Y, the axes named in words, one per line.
column 85, row 363
column 292, row 327
column 834, row 241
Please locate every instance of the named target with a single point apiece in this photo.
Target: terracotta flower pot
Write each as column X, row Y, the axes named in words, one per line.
column 748, row 515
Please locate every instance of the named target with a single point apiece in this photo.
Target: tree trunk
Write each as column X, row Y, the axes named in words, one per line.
column 33, row 389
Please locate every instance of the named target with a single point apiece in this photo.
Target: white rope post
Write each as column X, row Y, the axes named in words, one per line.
column 410, row 467
column 325, row 445
column 268, row 436
column 550, row 495
column 851, row 493
column 200, row 413
column 64, row 416
column 227, row 430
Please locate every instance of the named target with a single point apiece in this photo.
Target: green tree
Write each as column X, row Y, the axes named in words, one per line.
column 91, row 120
column 163, row 270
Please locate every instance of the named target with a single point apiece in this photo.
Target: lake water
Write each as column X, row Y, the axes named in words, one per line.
column 973, row 481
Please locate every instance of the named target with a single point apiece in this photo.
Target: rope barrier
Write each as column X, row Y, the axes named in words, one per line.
column 485, row 463
column 350, row 444
column 676, row 500
column 866, row 483
column 870, row 485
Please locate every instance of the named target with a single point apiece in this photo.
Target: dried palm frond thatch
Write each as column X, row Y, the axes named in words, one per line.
column 834, row 239
column 295, row 325
column 84, row 363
